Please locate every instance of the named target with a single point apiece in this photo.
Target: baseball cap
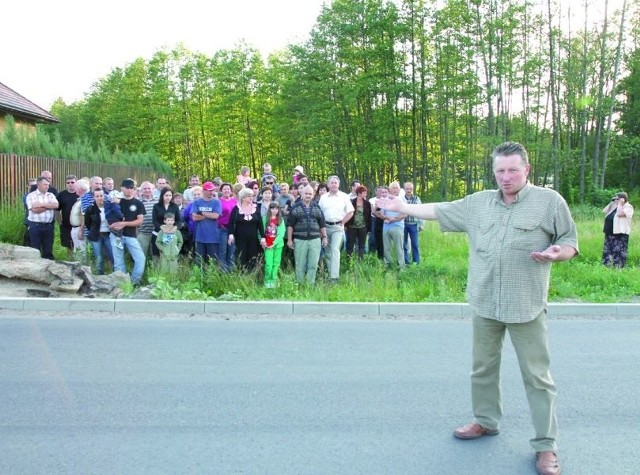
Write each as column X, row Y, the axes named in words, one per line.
column 299, row 168
column 128, row 183
column 207, row 185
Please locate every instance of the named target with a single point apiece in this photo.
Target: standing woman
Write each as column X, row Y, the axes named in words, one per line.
column 96, row 222
column 246, row 230
column 228, row 202
column 275, row 230
column 617, row 226
column 164, row 205
column 360, row 223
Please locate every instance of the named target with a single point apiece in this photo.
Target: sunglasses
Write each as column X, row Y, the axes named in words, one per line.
column 70, row 182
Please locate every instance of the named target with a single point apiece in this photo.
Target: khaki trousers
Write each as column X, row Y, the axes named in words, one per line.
column 532, row 349
column 306, row 253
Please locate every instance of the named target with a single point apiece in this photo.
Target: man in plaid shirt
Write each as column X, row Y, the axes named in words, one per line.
column 515, row 233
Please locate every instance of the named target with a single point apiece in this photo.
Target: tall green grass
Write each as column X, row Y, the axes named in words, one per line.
column 440, row 277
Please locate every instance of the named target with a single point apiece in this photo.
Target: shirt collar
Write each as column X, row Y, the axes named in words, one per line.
column 519, row 196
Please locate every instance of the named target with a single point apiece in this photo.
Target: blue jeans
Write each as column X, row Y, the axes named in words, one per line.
column 206, row 251
column 227, row 252
column 41, row 238
column 132, row 245
column 411, row 232
column 102, row 247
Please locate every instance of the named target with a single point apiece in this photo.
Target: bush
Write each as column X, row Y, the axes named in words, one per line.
column 13, row 229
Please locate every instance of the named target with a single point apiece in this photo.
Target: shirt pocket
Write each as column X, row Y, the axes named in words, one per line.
column 529, row 235
column 483, row 237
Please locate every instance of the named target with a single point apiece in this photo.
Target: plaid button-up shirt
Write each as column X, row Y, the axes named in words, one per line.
column 504, row 282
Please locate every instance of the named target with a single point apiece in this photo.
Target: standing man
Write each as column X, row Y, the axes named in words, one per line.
column 354, row 186
column 76, row 219
column 205, row 212
column 337, row 209
column 306, row 235
column 41, row 205
column 134, row 212
column 194, row 180
column 66, row 199
column 87, row 200
column 108, row 185
column 515, row 233
column 33, row 185
column 412, row 226
column 393, row 229
column 161, row 182
column 49, row 176
column 146, row 228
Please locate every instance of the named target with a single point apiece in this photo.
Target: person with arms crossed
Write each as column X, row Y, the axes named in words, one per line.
column 337, row 210
column 133, row 211
column 42, row 205
column 515, row 233
column 66, row 199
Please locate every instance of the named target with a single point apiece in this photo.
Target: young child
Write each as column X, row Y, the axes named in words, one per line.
column 297, row 172
column 113, row 214
column 269, row 179
column 275, row 230
column 169, row 243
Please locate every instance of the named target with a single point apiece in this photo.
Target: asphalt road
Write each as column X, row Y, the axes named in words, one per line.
column 107, row 396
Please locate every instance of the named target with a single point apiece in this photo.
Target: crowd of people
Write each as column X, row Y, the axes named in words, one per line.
column 247, row 224
column 515, row 233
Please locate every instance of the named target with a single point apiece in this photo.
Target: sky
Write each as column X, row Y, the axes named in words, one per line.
column 59, row 48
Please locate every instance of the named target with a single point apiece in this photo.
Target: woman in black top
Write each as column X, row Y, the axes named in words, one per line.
column 246, row 230
column 164, row 205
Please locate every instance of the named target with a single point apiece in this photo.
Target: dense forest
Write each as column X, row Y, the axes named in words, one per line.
column 382, row 90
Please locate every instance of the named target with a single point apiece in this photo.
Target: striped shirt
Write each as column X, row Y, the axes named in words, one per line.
column 34, row 198
column 147, row 224
column 504, row 282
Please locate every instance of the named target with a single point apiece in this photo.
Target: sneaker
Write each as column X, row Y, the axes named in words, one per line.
column 119, row 243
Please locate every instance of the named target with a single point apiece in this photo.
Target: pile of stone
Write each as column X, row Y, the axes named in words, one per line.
column 25, row 263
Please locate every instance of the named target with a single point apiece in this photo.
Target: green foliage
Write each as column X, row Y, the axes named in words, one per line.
column 47, row 141
column 13, row 228
column 441, row 276
column 382, row 90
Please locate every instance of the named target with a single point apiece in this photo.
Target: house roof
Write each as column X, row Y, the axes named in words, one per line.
column 19, row 106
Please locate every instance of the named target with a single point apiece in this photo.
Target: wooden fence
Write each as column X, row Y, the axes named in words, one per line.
column 16, row 170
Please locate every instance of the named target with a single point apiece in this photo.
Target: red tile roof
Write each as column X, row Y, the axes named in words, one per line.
column 19, row 106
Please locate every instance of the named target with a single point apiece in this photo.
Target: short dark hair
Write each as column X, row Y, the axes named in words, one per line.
column 511, row 148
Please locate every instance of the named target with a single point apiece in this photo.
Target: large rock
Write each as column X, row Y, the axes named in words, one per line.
column 19, row 262
column 108, row 285
column 11, row 252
